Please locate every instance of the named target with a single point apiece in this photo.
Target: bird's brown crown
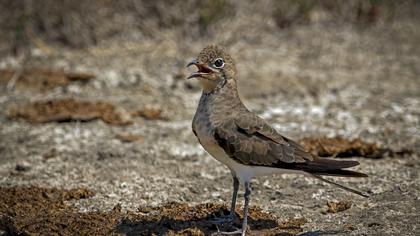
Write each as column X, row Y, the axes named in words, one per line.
column 212, row 52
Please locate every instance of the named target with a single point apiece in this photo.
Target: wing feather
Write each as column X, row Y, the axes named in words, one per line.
column 251, row 141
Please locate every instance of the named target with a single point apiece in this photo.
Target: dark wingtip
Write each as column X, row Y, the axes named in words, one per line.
column 347, row 164
column 350, row 173
column 353, row 163
column 325, row 164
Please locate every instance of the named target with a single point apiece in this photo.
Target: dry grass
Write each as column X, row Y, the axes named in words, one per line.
column 83, row 23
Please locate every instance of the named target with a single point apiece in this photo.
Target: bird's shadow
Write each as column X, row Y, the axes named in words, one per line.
column 189, row 220
column 189, row 227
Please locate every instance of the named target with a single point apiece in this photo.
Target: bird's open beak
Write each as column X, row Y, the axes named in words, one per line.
column 202, row 69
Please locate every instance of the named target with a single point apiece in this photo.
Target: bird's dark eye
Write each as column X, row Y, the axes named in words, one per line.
column 219, row 63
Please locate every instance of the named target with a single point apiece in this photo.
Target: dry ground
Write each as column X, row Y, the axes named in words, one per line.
column 150, row 176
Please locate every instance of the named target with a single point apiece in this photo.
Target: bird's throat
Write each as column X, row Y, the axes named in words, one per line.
column 208, row 85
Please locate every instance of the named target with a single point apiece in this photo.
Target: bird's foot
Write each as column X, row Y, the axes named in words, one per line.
column 228, row 223
column 235, row 232
column 223, row 220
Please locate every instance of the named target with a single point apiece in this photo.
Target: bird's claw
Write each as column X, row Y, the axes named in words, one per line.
column 236, row 231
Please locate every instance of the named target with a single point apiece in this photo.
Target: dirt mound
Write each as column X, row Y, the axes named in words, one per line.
column 34, row 210
column 341, row 147
column 42, row 78
column 64, row 110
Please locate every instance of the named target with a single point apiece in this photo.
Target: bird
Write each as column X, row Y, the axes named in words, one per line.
column 245, row 142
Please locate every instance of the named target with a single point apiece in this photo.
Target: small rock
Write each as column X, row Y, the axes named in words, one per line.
column 22, row 167
column 130, row 137
column 334, row 207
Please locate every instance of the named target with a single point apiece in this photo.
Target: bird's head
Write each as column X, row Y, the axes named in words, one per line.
column 215, row 68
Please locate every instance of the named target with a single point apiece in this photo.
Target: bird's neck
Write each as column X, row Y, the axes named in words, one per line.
column 223, row 99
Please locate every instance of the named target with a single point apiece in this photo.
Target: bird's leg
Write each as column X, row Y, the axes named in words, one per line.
column 247, row 195
column 246, row 206
column 234, row 195
column 231, row 218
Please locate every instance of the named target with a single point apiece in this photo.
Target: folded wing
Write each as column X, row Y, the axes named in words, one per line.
column 251, row 141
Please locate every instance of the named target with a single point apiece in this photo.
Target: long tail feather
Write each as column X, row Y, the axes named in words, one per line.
column 339, row 185
column 339, row 173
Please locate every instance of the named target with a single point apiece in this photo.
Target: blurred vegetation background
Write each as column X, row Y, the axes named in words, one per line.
column 80, row 24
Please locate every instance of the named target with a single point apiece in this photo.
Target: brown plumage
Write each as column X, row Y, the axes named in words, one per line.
column 242, row 140
column 250, row 141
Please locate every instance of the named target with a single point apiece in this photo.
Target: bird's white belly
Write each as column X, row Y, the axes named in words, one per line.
column 244, row 172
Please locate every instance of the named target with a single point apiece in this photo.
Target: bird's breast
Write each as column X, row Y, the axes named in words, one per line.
column 204, row 131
